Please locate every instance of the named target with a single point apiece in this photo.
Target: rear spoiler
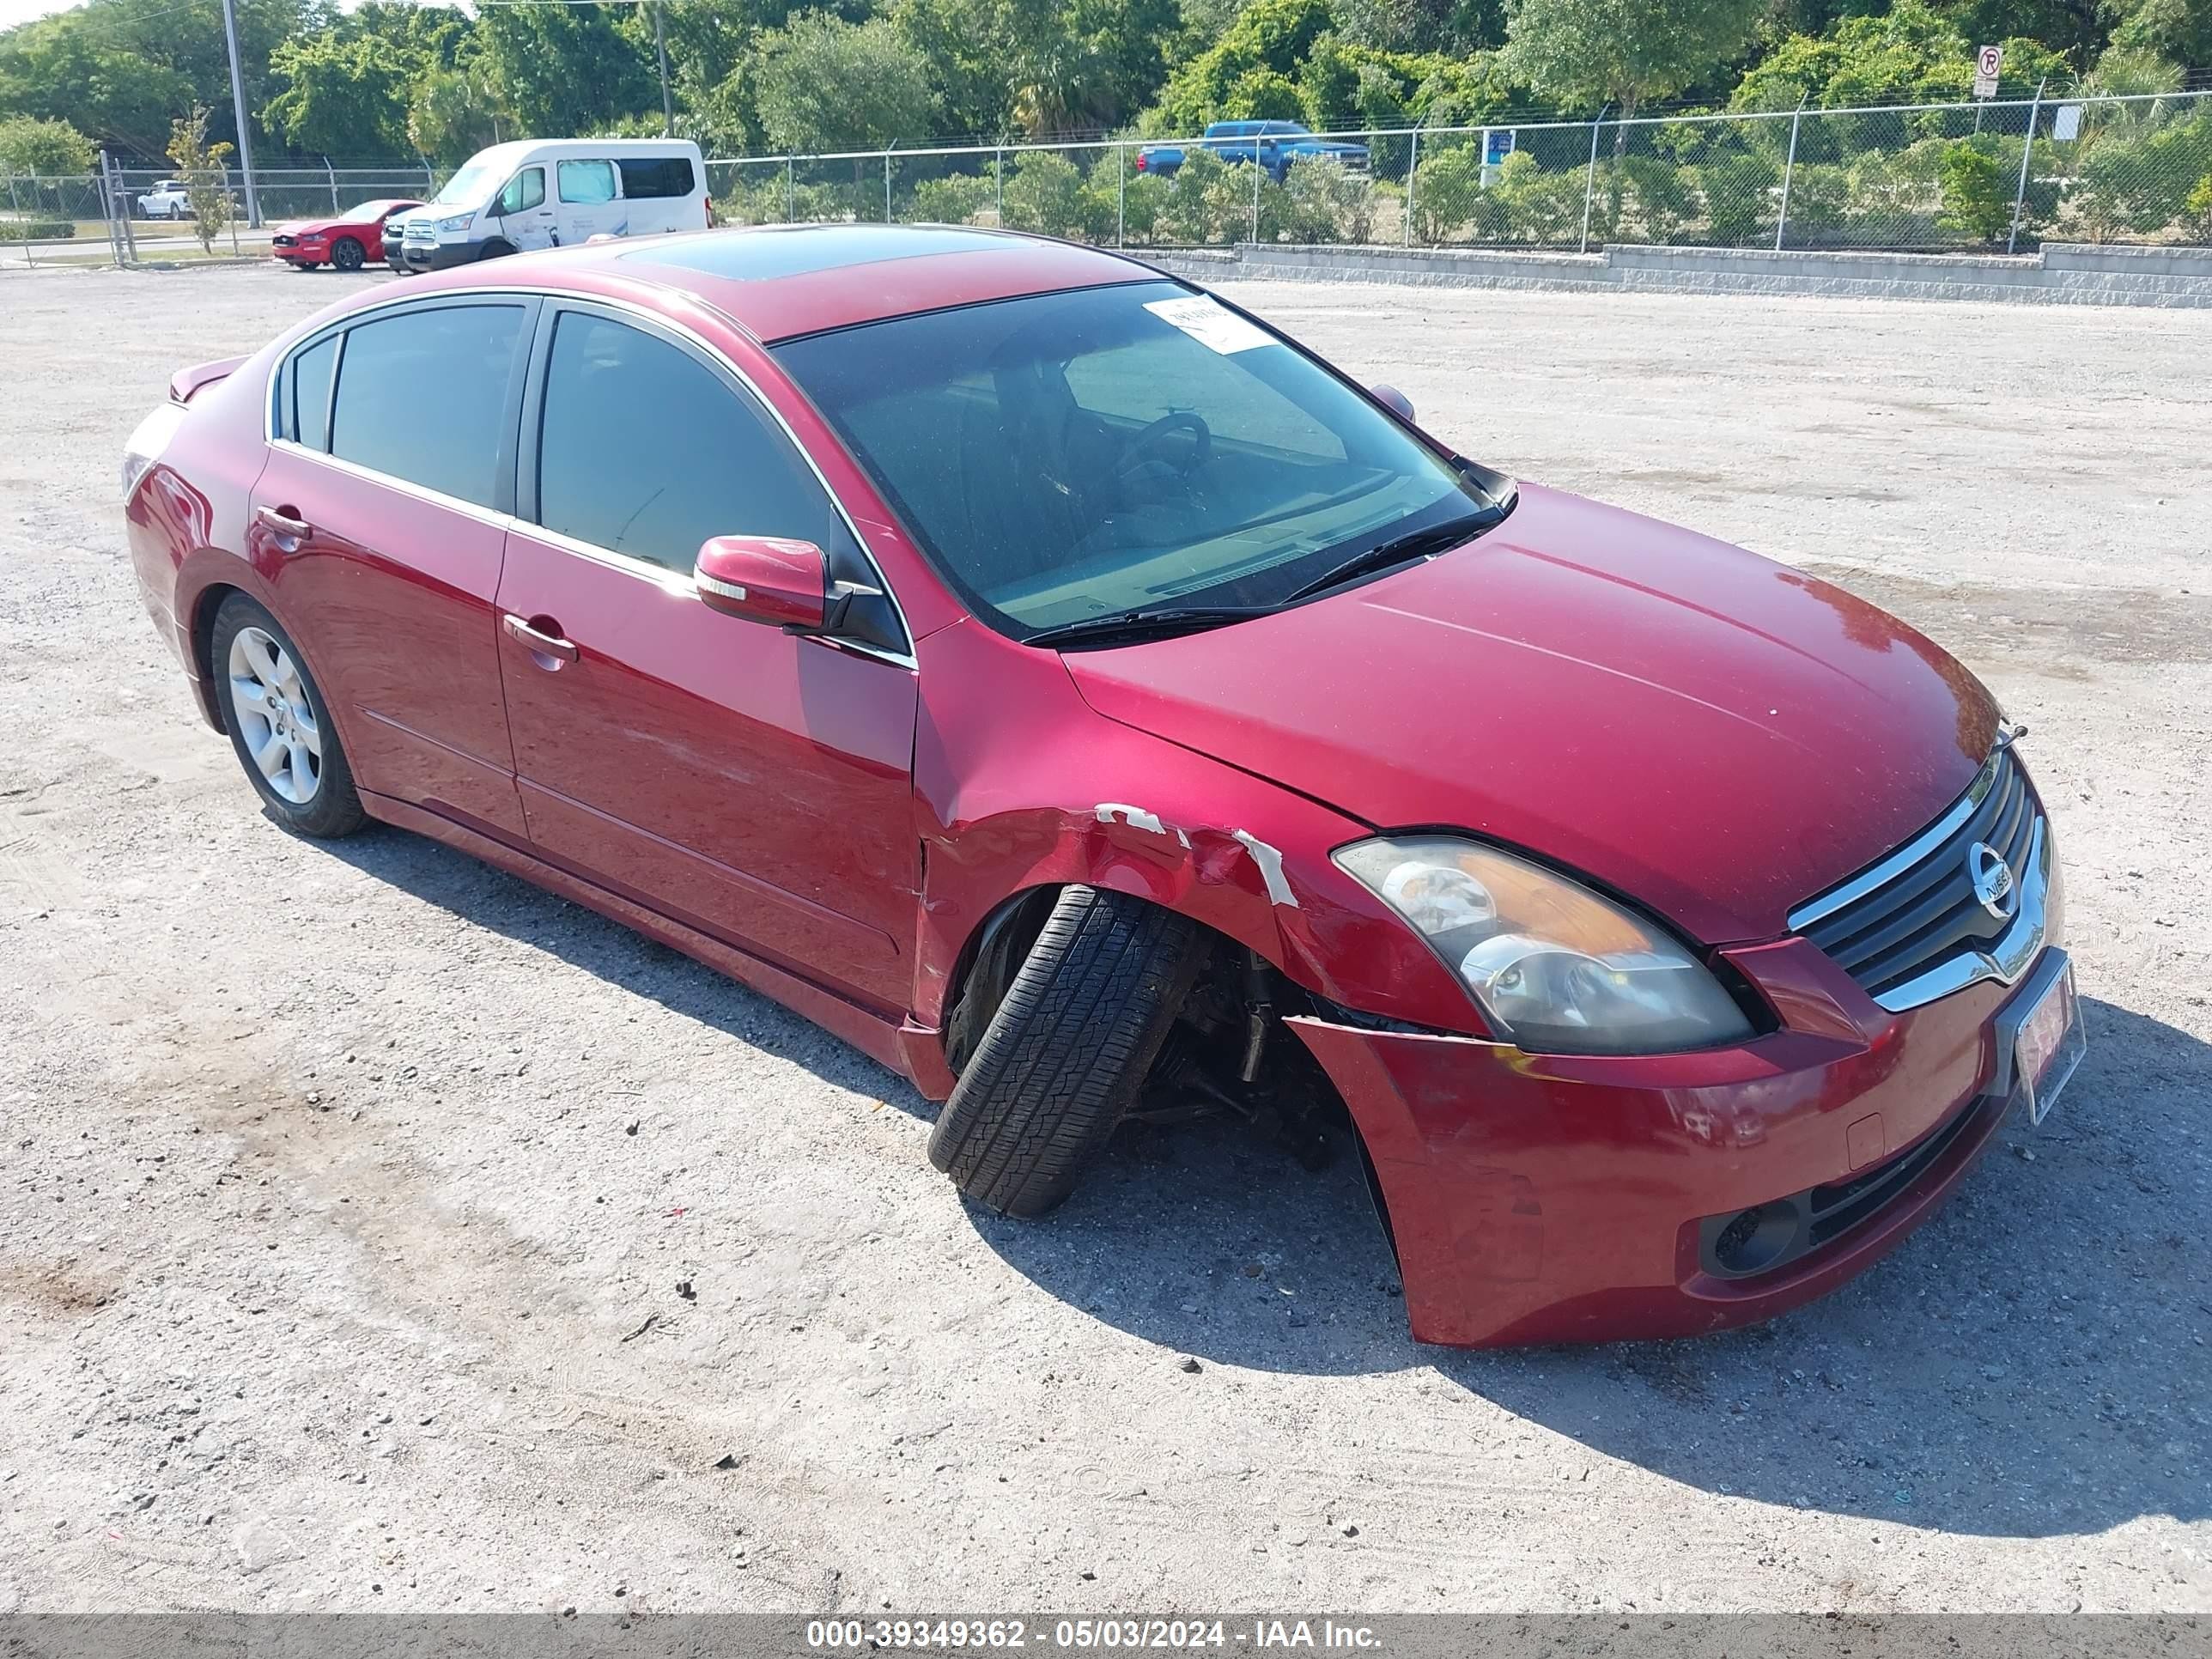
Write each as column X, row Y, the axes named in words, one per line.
column 186, row 382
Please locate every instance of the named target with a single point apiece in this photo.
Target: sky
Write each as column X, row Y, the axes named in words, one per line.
column 13, row 12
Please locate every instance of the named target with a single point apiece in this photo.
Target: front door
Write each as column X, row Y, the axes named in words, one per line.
column 381, row 518
column 747, row 783
column 526, row 213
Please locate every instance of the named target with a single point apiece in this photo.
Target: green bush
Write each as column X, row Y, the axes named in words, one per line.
column 1446, row 186
column 2140, row 181
column 1739, row 192
column 1820, row 197
column 1145, row 199
column 1662, row 197
column 17, row 227
column 1978, row 197
column 2197, row 210
column 956, row 200
column 1046, row 193
column 1545, row 207
column 1324, row 201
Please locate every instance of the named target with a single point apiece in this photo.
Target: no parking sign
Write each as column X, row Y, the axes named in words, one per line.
column 1987, row 62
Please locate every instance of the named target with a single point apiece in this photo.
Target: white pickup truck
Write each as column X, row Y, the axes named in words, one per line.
column 166, row 200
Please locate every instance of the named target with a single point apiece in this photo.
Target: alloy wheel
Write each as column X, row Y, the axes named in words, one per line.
column 269, row 703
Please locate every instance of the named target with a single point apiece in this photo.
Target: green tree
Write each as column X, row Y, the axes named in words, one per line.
column 200, row 165
column 1910, row 54
column 343, row 98
column 565, row 69
column 452, row 113
column 2179, row 31
column 1583, row 53
column 55, row 149
column 824, row 84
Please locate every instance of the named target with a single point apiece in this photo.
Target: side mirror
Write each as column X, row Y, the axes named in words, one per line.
column 765, row 578
column 1394, row 400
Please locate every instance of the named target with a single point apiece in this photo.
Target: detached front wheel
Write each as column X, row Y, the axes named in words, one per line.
column 1066, row 1053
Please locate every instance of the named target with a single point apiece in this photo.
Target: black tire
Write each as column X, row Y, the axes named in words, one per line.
column 1064, row 1056
column 333, row 808
column 497, row 249
column 346, row 254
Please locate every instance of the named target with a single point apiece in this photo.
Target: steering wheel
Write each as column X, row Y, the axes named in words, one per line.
column 1201, row 447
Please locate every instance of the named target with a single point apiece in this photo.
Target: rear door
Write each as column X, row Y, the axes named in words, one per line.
column 747, row 783
column 381, row 520
column 661, row 193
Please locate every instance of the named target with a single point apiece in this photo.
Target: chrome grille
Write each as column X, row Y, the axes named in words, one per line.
column 1910, row 928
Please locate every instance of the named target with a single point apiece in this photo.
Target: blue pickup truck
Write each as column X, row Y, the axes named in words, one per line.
column 1273, row 144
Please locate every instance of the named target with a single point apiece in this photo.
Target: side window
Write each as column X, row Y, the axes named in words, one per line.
column 642, row 450
column 526, row 190
column 311, row 393
column 657, row 176
column 422, row 396
column 587, row 181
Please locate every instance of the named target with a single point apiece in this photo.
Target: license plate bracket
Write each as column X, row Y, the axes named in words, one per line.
column 2041, row 1037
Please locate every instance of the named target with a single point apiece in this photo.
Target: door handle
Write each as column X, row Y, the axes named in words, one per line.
column 290, row 531
column 542, row 643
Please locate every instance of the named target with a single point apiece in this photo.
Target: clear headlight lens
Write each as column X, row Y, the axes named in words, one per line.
column 459, row 221
column 1554, row 967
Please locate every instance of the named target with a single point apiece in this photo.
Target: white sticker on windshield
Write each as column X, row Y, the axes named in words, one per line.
column 1210, row 324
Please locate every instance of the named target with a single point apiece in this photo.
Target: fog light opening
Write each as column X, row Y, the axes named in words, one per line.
column 1756, row 1238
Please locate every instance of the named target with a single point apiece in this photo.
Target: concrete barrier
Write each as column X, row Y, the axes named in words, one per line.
column 2058, row 273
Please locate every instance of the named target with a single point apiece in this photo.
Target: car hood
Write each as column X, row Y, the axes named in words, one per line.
column 1704, row 731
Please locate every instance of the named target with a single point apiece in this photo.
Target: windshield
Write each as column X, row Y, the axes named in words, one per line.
column 470, row 187
column 1067, row 456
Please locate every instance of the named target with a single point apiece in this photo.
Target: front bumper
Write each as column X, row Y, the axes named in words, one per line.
column 439, row 256
column 298, row 255
column 1538, row 1199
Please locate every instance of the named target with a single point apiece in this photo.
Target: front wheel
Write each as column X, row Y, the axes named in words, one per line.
column 1066, row 1053
column 280, row 725
column 497, row 249
column 346, row 253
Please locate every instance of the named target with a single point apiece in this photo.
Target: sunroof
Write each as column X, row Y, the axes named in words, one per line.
column 754, row 255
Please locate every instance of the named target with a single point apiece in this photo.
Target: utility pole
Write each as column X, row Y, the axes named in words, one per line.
column 238, row 109
column 661, row 47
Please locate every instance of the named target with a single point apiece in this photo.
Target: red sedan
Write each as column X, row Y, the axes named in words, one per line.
column 347, row 241
column 1074, row 694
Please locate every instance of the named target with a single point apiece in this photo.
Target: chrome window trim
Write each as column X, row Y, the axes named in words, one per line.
column 2008, row 958
column 1905, row 857
column 477, row 510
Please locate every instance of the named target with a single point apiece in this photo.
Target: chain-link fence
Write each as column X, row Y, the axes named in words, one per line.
column 133, row 214
column 1979, row 176
column 1927, row 178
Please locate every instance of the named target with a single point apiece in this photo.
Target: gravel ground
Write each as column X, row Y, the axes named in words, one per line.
column 376, row 1232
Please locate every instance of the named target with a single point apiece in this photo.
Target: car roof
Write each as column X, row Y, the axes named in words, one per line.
column 777, row 281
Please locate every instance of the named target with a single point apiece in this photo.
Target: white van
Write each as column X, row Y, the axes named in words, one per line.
column 517, row 197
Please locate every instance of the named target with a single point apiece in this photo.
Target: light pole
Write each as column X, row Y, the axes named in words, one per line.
column 661, row 47
column 238, row 109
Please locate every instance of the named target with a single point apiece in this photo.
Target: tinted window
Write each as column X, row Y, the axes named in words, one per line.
column 526, row 190
column 422, row 396
column 645, row 451
column 668, row 176
column 311, row 393
column 587, row 181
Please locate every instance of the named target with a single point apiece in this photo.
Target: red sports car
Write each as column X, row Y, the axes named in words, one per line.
column 347, row 241
column 1068, row 689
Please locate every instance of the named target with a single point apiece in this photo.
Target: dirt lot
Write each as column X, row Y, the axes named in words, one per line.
column 351, row 1193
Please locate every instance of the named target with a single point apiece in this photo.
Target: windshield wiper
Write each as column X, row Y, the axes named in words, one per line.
column 1142, row 624
column 1401, row 550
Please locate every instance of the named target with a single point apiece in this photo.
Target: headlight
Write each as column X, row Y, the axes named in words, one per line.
column 459, row 221
column 1557, row 969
